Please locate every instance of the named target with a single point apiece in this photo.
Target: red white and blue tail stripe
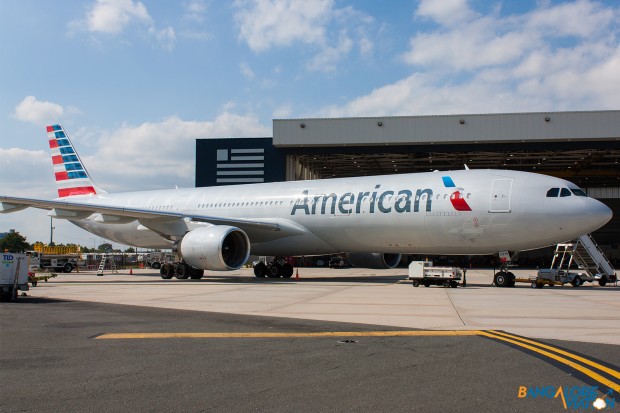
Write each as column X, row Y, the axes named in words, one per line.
column 71, row 176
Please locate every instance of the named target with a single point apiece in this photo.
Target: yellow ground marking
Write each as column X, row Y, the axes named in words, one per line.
column 562, row 360
column 583, row 360
column 397, row 333
column 519, row 341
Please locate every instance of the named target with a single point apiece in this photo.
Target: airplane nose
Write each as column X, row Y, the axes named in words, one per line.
column 597, row 214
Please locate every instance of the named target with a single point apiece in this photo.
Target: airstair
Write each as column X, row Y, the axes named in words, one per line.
column 586, row 254
column 104, row 260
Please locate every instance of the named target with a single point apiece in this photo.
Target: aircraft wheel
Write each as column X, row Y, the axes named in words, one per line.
column 166, row 271
column 416, row 283
column 260, row 270
column 501, row 279
column 156, row 266
column 274, row 271
column 576, row 281
column 287, row 270
column 196, row 274
column 603, row 281
column 182, row 271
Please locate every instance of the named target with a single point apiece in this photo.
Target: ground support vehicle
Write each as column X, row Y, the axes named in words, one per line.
column 422, row 272
column 33, row 278
column 156, row 260
column 54, row 262
column 553, row 277
column 13, row 275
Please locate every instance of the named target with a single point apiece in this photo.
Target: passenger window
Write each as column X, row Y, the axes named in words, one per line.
column 578, row 192
column 565, row 192
column 553, row 192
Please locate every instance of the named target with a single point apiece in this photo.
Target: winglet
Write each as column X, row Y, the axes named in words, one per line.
column 70, row 173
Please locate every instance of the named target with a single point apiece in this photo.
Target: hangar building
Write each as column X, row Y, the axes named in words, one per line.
column 582, row 147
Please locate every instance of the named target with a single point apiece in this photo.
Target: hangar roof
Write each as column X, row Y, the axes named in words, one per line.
column 448, row 129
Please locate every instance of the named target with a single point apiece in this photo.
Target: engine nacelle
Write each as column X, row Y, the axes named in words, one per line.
column 215, row 248
column 375, row 260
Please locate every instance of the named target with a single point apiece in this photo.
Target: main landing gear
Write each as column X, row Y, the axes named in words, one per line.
column 180, row 270
column 274, row 269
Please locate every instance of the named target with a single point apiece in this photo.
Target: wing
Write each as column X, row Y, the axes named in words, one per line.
column 170, row 225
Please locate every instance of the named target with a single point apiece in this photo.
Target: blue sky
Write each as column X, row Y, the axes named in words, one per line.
column 136, row 82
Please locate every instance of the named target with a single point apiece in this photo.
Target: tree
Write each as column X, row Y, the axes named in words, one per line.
column 14, row 242
column 105, row 247
column 130, row 250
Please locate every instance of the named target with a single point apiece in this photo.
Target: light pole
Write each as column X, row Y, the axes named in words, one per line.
column 51, row 231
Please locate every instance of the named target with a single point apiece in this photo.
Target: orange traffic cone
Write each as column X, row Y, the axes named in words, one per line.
column 297, row 275
column 131, row 271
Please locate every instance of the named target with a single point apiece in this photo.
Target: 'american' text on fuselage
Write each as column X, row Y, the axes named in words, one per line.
column 349, row 203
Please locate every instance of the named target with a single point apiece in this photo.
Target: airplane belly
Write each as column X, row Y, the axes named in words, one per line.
column 373, row 232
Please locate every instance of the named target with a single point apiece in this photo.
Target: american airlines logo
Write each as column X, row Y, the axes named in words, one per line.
column 240, row 166
column 378, row 200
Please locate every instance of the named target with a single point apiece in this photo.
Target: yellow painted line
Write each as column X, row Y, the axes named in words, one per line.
column 603, row 380
column 583, row 360
column 396, row 333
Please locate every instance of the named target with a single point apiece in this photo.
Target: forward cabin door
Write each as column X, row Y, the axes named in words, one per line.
column 500, row 195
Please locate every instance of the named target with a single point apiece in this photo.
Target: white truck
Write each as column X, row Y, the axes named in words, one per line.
column 54, row 262
column 423, row 272
column 13, row 275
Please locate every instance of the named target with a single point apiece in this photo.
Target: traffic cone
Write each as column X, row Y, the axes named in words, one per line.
column 131, row 271
column 297, row 275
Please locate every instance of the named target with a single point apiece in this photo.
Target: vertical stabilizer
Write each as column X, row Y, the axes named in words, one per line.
column 71, row 175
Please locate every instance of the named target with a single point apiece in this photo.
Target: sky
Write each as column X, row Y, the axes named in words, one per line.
column 135, row 83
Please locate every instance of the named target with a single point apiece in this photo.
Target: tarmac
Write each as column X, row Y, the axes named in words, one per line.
column 380, row 297
column 332, row 340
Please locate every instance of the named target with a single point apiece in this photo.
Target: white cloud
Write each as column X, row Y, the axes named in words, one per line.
column 267, row 23
column 327, row 59
column 332, row 33
column 112, row 17
column 445, row 12
column 195, row 10
column 166, row 38
column 534, row 61
column 246, row 71
column 38, row 112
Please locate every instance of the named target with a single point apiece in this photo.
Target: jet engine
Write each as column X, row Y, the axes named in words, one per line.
column 374, row 260
column 215, row 248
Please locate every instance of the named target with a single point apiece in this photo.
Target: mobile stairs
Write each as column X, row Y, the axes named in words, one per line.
column 585, row 253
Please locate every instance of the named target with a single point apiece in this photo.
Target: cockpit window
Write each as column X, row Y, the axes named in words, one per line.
column 553, row 192
column 578, row 192
column 565, row 192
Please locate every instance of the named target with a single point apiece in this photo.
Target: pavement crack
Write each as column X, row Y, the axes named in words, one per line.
column 453, row 306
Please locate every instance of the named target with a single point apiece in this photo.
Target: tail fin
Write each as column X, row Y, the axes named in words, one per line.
column 71, row 175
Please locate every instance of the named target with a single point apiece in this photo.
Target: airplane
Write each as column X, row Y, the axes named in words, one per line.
column 374, row 219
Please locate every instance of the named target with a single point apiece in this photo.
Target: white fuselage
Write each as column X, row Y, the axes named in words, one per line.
column 409, row 213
